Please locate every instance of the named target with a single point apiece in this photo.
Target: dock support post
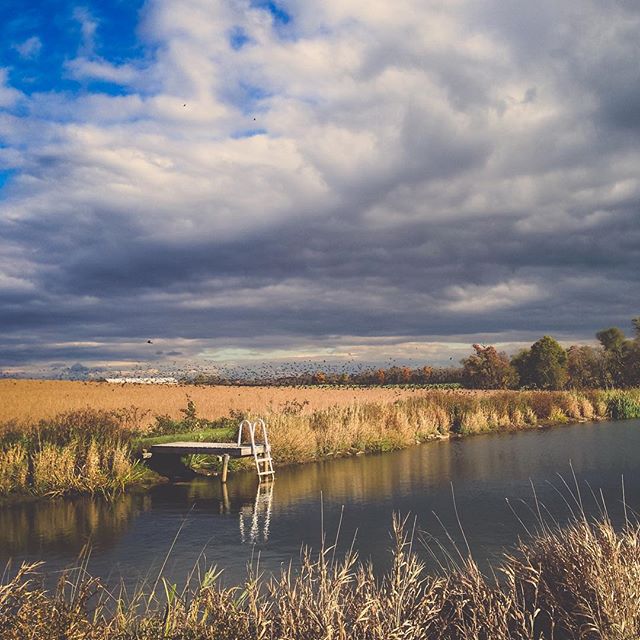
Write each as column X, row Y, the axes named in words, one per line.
column 225, row 468
column 226, row 505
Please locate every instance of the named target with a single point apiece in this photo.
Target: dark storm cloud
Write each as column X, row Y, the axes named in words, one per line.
column 428, row 173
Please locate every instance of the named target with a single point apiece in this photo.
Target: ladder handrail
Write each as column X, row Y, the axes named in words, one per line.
column 266, row 451
column 252, row 431
column 265, row 437
column 241, row 428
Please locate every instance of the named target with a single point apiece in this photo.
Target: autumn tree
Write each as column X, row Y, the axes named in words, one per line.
column 631, row 357
column 586, row 367
column 424, row 374
column 615, row 345
column 488, row 369
column 611, row 339
column 319, row 377
column 545, row 364
column 632, row 363
column 520, row 362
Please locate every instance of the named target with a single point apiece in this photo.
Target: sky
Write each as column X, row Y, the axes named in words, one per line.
column 192, row 183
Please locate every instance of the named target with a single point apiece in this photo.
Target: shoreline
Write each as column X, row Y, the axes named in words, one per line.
column 154, row 479
column 70, row 458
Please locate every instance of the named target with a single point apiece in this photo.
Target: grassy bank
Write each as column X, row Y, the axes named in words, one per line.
column 79, row 452
column 300, row 436
column 578, row 583
column 89, row 451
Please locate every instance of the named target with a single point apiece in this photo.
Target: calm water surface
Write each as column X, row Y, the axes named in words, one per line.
column 491, row 476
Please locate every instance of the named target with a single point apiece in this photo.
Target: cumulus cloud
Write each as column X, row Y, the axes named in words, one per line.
column 415, row 169
column 504, row 295
column 8, row 95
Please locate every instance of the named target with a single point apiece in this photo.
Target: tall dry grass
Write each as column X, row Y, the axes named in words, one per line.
column 299, row 436
column 577, row 583
column 76, row 452
column 90, row 450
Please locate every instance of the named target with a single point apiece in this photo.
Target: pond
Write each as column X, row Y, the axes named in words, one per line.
column 490, row 476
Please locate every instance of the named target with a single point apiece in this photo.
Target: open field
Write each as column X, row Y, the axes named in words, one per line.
column 33, row 400
column 579, row 583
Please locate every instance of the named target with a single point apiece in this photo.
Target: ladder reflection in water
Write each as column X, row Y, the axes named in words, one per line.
column 259, row 516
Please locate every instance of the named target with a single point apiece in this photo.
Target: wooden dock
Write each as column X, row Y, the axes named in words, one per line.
column 231, row 449
column 166, row 458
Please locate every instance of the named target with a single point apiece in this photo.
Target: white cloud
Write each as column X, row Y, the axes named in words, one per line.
column 30, row 48
column 8, row 95
column 359, row 161
column 482, row 299
column 96, row 69
column 88, row 26
column 10, row 284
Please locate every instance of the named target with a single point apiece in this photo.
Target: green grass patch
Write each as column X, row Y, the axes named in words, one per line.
column 220, row 434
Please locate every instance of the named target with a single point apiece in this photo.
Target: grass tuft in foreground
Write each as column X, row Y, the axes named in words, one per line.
column 581, row 582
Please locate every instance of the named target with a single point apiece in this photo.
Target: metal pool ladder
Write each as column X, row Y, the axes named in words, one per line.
column 261, row 454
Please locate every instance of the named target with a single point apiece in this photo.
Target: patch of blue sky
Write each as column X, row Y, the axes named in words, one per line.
column 277, row 11
column 248, row 133
column 5, row 176
column 247, row 98
column 282, row 19
column 103, row 86
column 253, row 93
column 55, row 37
column 117, row 37
column 238, row 37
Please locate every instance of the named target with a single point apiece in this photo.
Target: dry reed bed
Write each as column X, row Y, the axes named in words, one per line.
column 302, row 436
column 88, row 451
column 578, row 583
column 77, row 452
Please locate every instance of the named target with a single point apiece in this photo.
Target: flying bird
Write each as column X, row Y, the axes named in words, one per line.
column 149, row 342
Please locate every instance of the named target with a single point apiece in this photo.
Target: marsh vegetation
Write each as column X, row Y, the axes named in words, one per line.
column 578, row 582
column 98, row 451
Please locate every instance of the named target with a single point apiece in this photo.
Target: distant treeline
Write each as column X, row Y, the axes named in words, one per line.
column 615, row 363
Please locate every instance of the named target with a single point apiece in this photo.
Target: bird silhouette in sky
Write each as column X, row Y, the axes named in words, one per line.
column 149, row 341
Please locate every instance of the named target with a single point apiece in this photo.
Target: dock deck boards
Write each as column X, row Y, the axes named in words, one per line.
column 208, row 448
